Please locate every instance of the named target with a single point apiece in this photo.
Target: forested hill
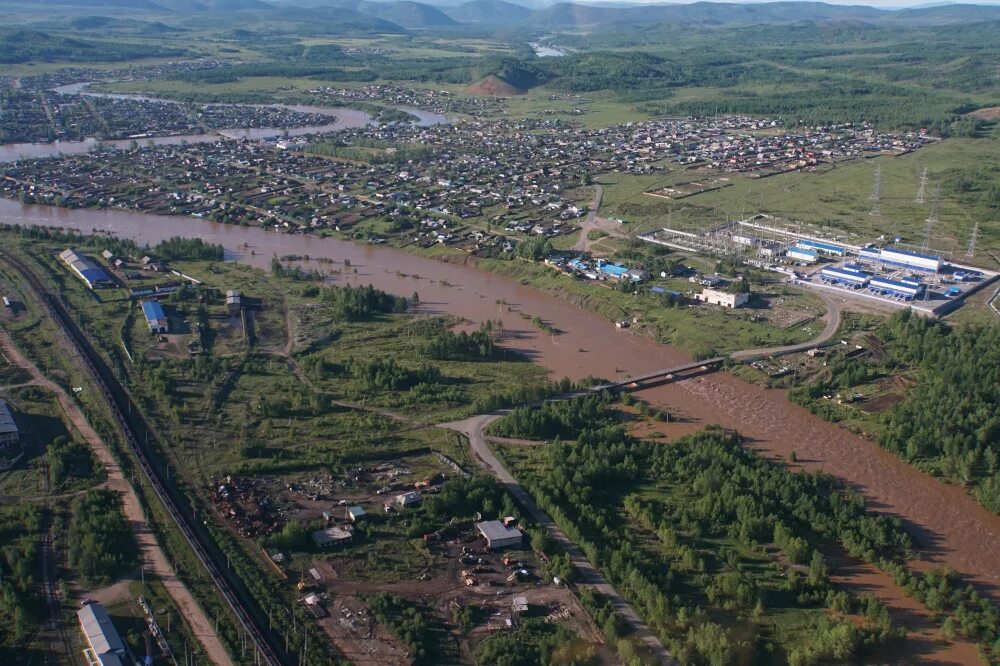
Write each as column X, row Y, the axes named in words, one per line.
column 24, row 45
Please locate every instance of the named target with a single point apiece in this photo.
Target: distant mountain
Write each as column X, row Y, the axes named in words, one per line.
column 142, row 5
column 338, row 20
column 488, row 11
column 574, row 16
column 405, row 13
column 186, row 6
column 174, row 6
column 946, row 14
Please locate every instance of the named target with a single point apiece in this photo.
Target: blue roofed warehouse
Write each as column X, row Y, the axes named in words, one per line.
column 155, row 318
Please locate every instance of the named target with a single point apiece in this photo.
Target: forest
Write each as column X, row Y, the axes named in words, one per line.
column 20, row 606
column 705, row 537
column 947, row 422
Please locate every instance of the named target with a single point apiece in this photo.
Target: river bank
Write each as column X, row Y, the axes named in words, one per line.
column 950, row 526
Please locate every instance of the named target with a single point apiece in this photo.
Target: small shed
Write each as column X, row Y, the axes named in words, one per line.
column 408, row 499
column 332, row 536
column 355, row 513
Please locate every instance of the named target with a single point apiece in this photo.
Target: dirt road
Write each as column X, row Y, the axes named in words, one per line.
column 589, row 575
column 153, row 555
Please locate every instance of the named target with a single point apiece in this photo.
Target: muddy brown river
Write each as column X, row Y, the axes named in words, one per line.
column 950, row 526
column 340, row 118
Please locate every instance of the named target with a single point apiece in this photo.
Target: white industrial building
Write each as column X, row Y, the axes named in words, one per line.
column 723, row 298
column 802, row 254
column 894, row 256
column 104, row 645
column 498, row 535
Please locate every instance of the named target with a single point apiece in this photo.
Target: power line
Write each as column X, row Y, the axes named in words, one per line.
column 876, row 196
column 972, row 241
column 933, row 218
column 922, row 190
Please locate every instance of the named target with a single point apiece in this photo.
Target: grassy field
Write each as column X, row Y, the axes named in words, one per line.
column 837, row 199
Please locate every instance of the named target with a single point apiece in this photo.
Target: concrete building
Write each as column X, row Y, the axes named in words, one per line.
column 10, row 435
column 104, row 645
column 723, row 298
column 155, row 318
column 332, row 536
column 498, row 535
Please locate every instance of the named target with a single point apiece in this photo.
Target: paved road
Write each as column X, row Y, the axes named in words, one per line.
column 473, row 428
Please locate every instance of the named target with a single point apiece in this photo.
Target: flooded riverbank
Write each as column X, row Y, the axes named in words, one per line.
column 340, row 118
column 951, row 527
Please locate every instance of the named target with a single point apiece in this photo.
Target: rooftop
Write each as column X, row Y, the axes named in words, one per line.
column 99, row 630
column 494, row 530
column 7, row 423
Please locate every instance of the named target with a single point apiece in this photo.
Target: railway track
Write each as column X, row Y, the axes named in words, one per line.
column 250, row 618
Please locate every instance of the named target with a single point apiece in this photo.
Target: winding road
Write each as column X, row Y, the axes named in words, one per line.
column 474, row 428
column 587, row 573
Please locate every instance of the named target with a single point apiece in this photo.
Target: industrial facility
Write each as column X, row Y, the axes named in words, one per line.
column 893, row 275
column 155, row 318
column 894, row 256
column 86, row 269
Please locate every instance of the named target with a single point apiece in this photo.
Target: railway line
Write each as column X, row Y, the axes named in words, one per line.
column 251, row 619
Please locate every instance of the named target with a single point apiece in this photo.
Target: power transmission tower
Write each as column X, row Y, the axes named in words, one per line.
column 972, row 241
column 876, row 196
column 922, row 190
column 932, row 220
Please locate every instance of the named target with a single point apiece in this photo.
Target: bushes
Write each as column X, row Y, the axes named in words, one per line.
column 189, row 249
column 563, row 418
column 69, row 462
column 447, row 345
column 101, row 545
column 534, row 643
column 354, row 303
column 387, row 375
column 407, row 623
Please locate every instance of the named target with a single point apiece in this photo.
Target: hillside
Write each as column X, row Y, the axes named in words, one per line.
column 24, row 45
column 489, row 11
column 404, row 13
column 493, row 86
